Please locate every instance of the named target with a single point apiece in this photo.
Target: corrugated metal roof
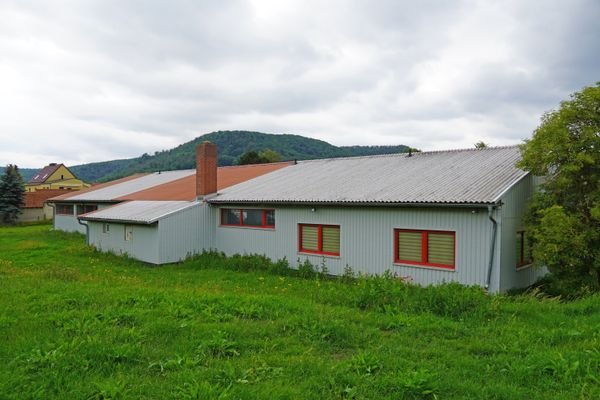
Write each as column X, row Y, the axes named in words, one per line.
column 96, row 186
column 454, row 177
column 112, row 192
column 185, row 188
column 167, row 186
column 143, row 212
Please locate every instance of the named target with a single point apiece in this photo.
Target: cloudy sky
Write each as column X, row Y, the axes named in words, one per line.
column 84, row 81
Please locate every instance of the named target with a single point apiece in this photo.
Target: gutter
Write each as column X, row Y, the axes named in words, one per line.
column 352, row 204
column 492, row 246
column 87, row 231
column 119, row 221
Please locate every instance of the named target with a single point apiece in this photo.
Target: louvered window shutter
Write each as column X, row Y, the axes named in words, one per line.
column 310, row 238
column 440, row 249
column 410, row 246
column 331, row 239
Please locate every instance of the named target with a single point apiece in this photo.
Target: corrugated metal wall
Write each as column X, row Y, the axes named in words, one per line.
column 143, row 245
column 68, row 223
column 367, row 240
column 186, row 233
column 512, row 211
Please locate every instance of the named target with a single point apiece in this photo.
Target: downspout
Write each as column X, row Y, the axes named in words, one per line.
column 492, row 247
column 53, row 215
column 87, row 231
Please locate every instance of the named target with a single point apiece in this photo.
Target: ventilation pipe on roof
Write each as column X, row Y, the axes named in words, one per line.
column 492, row 247
column 206, row 169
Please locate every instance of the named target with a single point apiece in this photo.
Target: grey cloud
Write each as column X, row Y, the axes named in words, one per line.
column 115, row 79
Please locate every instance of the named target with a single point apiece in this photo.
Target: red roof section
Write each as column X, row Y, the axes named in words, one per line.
column 44, row 173
column 185, row 188
column 36, row 199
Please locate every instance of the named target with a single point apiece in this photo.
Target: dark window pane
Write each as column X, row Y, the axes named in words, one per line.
column 230, row 217
column 270, row 217
column 252, row 217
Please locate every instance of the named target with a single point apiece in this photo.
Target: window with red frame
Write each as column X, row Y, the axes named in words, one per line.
column 86, row 208
column 425, row 248
column 523, row 249
column 64, row 209
column 251, row 218
column 319, row 239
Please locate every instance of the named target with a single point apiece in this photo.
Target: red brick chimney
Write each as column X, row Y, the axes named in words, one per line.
column 206, row 169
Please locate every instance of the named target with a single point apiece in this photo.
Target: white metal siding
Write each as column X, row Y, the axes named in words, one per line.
column 142, row 246
column 186, row 233
column 68, row 223
column 513, row 209
column 367, row 240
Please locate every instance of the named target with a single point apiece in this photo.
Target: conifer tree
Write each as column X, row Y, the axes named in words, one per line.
column 12, row 194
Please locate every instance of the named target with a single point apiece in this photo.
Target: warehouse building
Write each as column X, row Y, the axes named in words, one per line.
column 427, row 217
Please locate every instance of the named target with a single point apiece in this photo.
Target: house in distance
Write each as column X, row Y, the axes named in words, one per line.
column 429, row 217
column 55, row 176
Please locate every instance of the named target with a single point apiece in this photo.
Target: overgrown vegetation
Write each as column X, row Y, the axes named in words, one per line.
column 564, row 217
column 75, row 323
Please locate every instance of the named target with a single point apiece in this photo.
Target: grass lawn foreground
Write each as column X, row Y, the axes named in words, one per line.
column 78, row 324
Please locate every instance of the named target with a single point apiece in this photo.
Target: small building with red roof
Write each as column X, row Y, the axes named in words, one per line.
column 55, row 176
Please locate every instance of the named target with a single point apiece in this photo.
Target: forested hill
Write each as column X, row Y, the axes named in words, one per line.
column 26, row 173
column 231, row 145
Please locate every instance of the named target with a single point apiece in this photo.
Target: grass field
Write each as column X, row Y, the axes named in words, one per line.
column 77, row 324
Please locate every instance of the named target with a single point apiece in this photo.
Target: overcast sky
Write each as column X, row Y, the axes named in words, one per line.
column 84, row 81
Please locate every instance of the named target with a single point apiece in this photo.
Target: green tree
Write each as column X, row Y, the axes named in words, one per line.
column 481, row 145
column 270, row 155
column 564, row 216
column 249, row 157
column 253, row 157
column 12, row 194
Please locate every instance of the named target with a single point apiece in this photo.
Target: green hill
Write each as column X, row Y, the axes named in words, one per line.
column 26, row 173
column 231, row 145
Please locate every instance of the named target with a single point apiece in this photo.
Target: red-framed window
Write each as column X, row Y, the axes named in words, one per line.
column 250, row 217
column 319, row 239
column 524, row 256
column 86, row 208
column 64, row 209
column 425, row 248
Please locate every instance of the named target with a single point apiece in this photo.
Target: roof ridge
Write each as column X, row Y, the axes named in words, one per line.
column 415, row 153
column 255, row 165
column 508, row 146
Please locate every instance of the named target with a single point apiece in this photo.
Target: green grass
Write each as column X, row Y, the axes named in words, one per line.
column 77, row 324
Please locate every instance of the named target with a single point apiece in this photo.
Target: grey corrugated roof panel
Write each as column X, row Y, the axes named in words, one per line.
column 471, row 176
column 131, row 186
column 139, row 211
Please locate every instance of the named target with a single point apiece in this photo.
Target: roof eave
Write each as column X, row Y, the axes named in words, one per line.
column 118, row 221
column 480, row 204
column 84, row 201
